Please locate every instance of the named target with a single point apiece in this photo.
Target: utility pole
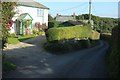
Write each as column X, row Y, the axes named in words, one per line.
column 90, row 10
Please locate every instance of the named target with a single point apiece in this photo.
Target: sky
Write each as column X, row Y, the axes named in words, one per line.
column 99, row 8
column 103, row 8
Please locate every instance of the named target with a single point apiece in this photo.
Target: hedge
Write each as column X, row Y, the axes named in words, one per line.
column 64, row 33
column 95, row 35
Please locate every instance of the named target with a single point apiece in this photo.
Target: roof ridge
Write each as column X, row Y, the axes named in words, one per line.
column 32, row 4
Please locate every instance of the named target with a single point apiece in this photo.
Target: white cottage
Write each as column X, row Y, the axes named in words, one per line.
column 33, row 11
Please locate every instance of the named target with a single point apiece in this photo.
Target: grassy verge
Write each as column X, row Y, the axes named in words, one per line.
column 12, row 40
column 16, row 40
column 22, row 38
column 8, row 66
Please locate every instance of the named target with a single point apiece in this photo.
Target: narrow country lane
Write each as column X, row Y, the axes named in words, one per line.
column 34, row 62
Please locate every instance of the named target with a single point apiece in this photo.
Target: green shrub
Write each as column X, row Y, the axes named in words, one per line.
column 36, row 32
column 65, row 33
column 95, row 35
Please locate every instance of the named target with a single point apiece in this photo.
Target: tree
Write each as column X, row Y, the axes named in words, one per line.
column 7, row 12
column 50, row 18
column 100, row 23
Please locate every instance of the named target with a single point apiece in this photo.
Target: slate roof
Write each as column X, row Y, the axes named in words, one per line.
column 32, row 3
column 72, row 23
column 63, row 18
column 75, row 22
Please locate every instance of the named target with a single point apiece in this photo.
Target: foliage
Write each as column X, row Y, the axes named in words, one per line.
column 36, row 32
column 8, row 66
column 7, row 14
column 95, row 35
column 27, row 22
column 12, row 35
column 65, row 33
column 54, row 24
column 50, row 24
column 101, row 24
column 114, row 55
column 114, row 63
column 12, row 40
column 50, row 18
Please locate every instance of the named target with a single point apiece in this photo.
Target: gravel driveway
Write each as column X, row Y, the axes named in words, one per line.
column 34, row 62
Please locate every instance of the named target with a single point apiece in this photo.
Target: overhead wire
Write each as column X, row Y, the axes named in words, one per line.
column 83, row 7
column 69, row 8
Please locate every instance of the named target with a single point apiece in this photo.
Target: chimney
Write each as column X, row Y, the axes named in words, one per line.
column 57, row 14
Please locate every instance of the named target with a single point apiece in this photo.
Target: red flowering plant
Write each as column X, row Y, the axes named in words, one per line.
column 10, row 23
column 7, row 12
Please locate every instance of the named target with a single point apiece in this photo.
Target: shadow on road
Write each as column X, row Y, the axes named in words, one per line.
column 34, row 62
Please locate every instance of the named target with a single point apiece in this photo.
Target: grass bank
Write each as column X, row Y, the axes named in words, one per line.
column 16, row 40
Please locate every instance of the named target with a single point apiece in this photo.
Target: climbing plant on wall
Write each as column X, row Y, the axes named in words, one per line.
column 27, row 23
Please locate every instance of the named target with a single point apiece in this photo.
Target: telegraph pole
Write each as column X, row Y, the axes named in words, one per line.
column 90, row 10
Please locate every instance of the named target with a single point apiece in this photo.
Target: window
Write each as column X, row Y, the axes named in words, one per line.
column 40, row 12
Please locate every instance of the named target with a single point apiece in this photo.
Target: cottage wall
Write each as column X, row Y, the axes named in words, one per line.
column 33, row 13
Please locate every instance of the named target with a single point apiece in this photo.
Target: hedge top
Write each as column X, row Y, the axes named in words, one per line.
column 64, row 33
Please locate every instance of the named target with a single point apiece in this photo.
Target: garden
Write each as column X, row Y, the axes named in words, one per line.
column 15, row 39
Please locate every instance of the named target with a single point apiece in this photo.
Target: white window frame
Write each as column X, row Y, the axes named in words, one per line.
column 40, row 12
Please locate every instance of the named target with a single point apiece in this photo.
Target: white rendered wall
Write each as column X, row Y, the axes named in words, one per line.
column 33, row 13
